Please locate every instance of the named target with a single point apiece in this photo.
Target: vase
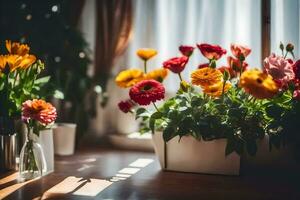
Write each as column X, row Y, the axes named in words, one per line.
column 32, row 158
column 46, row 141
column 191, row 155
column 64, row 139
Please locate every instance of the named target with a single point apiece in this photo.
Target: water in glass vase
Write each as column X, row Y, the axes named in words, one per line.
column 32, row 159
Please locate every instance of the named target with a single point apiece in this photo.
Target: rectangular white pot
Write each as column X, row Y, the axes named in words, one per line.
column 191, row 155
column 64, row 139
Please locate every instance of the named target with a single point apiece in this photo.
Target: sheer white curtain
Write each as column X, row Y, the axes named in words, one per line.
column 285, row 24
column 166, row 24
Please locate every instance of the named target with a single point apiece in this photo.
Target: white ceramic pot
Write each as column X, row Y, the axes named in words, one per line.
column 46, row 141
column 64, row 139
column 191, row 155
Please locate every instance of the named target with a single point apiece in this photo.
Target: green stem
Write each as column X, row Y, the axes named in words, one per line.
column 179, row 74
column 155, row 107
column 285, row 54
column 223, row 89
column 145, row 66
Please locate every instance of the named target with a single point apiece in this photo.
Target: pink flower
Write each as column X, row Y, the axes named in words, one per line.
column 279, row 68
column 40, row 110
column 186, row 50
column 296, row 95
column 235, row 64
column 240, row 50
column 296, row 69
column 211, row 51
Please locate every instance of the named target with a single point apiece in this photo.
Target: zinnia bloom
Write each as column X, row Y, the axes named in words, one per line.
column 128, row 78
column 17, row 48
column 279, row 68
column 39, row 110
column 176, row 64
column 206, row 77
column 296, row 94
column 216, row 89
column 147, row 91
column 211, row 51
column 296, row 69
column 126, row 106
column 235, row 64
column 146, row 53
column 186, row 50
column 240, row 51
column 157, row 74
column 259, row 84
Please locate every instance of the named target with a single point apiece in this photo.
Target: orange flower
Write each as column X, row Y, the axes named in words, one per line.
column 259, row 84
column 216, row 90
column 146, row 53
column 206, row 77
column 26, row 61
column 157, row 74
column 128, row 78
column 17, row 48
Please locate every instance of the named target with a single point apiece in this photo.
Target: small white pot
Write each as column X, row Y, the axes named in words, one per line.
column 191, row 155
column 46, row 141
column 64, row 139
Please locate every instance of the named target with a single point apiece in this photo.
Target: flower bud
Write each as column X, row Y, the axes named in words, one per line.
column 289, row 47
column 281, row 46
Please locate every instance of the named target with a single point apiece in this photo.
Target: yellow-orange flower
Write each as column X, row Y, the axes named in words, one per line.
column 13, row 62
column 128, row 78
column 146, row 53
column 259, row 84
column 157, row 74
column 17, row 48
column 206, row 77
column 26, row 61
column 216, row 90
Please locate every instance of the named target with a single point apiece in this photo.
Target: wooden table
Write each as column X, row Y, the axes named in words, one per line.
column 116, row 174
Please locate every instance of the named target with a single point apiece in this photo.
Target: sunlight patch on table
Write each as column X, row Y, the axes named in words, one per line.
column 129, row 170
column 141, row 162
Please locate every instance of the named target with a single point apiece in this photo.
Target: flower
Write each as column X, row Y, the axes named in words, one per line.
column 231, row 72
column 211, row 51
column 126, row 106
column 206, row 77
column 12, row 61
column 259, row 84
column 40, row 110
column 240, row 51
column 128, row 78
column 26, row 61
column 279, row 68
column 235, row 64
column 147, row 91
column 296, row 69
column 296, row 94
column 157, row 74
column 17, row 48
column 203, row 65
column 186, row 50
column 146, row 53
column 176, row 64
column 216, row 90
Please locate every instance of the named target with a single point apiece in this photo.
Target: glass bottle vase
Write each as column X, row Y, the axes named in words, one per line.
column 32, row 158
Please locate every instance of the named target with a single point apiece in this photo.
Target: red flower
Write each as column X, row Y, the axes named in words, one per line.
column 296, row 69
column 231, row 72
column 126, row 106
column 186, row 50
column 176, row 64
column 296, row 95
column 203, row 65
column 235, row 64
column 147, row 91
column 240, row 50
column 211, row 51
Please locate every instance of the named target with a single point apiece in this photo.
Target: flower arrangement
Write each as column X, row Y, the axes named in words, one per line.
column 19, row 78
column 232, row 102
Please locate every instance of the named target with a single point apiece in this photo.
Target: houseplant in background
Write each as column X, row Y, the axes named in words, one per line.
column 220, row 114
column 19, row 80
column 36, row 114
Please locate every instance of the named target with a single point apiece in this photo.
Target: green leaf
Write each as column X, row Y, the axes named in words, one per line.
column 169, row 133
column 42, row 80
column 152, row 119
column 139, row 112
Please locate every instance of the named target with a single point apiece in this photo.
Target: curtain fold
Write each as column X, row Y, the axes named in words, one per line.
column 113, row 31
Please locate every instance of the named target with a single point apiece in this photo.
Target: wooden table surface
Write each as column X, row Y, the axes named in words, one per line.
column 116, row 174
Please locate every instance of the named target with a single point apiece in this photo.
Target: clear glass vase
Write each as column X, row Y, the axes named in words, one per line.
column 32, row 158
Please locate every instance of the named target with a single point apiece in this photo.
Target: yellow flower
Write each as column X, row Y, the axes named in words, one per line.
column 206, row 77
column 157, row 74
column 26, row 61
column 258, row 84
column 13, row 61
column 146, row 53
column 17, row 48
column 216, row 89
column 128, row 78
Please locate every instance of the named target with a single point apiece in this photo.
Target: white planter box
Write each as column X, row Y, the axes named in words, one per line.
column 191, row 155
column 64, row 139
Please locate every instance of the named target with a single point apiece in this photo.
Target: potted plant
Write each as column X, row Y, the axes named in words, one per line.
column 211, row 121
column 19, row 81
